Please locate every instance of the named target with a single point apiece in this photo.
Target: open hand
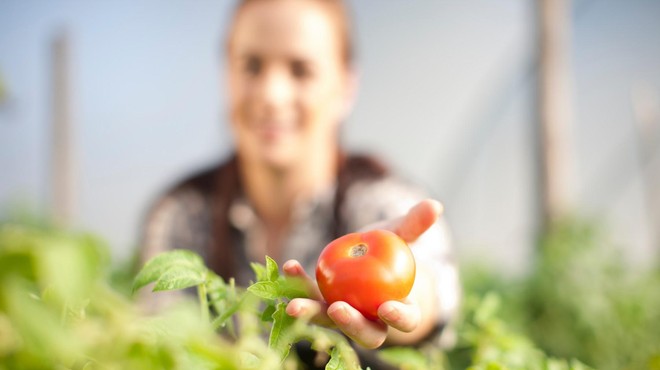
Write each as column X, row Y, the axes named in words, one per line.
column 404, row 316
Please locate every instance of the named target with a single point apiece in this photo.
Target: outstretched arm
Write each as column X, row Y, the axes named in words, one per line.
column 400, row 322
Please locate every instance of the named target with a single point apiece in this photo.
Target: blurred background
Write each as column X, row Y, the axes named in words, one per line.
column 449, row 95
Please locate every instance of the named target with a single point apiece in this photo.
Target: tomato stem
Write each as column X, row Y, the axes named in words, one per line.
column 358, row 250
column 203, row 301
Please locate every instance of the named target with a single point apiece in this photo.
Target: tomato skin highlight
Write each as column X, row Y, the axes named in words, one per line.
column 365, row 270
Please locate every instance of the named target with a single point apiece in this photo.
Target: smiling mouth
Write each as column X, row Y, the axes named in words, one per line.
column 272, row 132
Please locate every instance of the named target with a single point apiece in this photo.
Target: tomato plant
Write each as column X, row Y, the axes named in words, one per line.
column 59, row 311
column 365, row 270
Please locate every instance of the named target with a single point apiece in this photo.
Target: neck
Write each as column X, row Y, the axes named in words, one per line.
column 273, row 191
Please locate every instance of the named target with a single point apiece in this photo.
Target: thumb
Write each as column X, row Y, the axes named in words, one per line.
column 418, row 219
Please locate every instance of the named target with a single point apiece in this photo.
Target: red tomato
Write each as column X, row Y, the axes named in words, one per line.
column 365, row 270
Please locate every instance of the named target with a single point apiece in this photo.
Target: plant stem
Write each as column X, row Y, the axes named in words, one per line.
column 203, row 301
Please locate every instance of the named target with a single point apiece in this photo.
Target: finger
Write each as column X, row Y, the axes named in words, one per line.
column 402, row 316
column 367, row 333
column 293, row 268
column 418, row 220
column 314, row 311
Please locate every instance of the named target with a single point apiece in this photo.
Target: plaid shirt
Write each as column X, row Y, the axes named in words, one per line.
column 182, row 219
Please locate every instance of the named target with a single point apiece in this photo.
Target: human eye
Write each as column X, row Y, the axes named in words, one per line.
column 301, row 69
column 253, row 65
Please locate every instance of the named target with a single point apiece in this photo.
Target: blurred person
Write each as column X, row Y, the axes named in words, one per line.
column 289, row 188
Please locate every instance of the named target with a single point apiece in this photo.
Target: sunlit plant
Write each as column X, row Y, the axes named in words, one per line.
column 59, row 310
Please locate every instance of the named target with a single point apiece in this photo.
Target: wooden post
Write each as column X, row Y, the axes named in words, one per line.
column 555, row 111
column 62, row 171
column 646, row 110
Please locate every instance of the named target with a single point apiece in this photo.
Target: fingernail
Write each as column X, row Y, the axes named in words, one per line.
column 438, row 206
column 288, row 265
column 292, row 310
column 340, row 315
column 391, row 315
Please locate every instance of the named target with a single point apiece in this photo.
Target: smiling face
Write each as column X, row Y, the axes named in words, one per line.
column 289, row 84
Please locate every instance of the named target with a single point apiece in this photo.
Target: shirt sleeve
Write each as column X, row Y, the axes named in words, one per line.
column 371, row 202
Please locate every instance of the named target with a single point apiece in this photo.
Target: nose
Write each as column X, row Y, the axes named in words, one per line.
column 275, row 88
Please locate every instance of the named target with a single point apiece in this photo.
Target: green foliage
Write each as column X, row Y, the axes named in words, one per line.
column 409, row 358
column 487, row 342
column 582, row 300
column 59, row 311
column 178, row 269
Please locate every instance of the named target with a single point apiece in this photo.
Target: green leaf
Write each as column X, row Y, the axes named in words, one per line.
column 179, row 277
column 267, row 315
column 487, row 309
column 217, row 289
column 577, row 365
column 259, row 271
column 292, row 287
column 68, row 265
column 37, row 326
column 279, row 339
column 556, row 364
column 227, row 313
column 335, row 362
column 249, row 360
column 265, row 289
column 347, row 354
column 408, row 356
column 159, row 265
column 272, row 270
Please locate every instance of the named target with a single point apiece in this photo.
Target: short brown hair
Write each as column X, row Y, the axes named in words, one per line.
column 339, row 11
